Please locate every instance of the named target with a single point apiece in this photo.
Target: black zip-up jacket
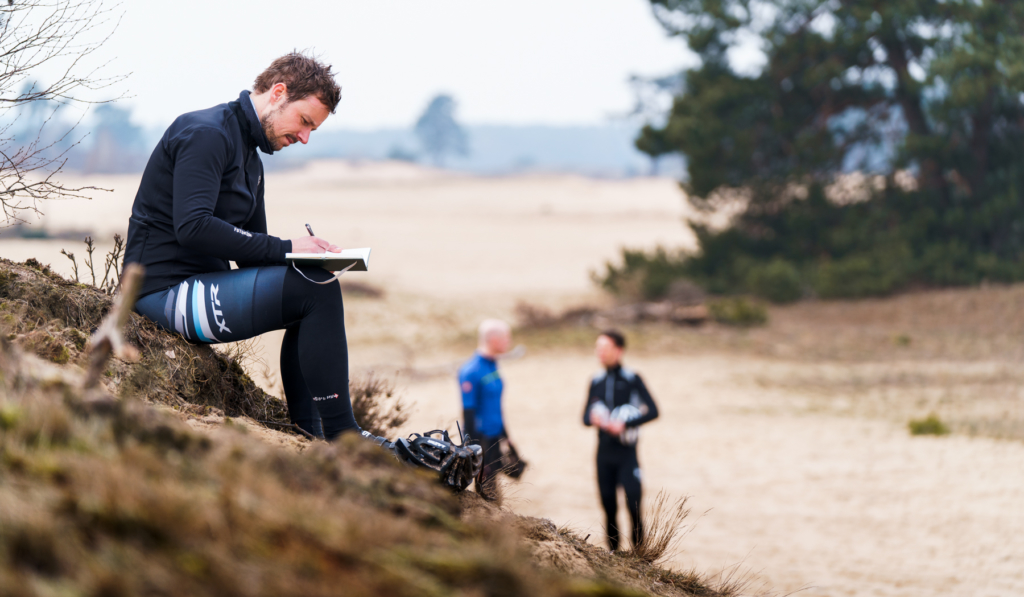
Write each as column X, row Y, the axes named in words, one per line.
column 614, row 387
column 200, row 203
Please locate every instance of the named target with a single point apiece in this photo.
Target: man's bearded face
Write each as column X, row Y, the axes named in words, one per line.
column 292, row 122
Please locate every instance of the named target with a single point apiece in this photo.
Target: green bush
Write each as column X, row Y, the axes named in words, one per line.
column 894, row 240
column 642, row 276
column 738, row 311
column 778, row 281
column 930, row 425
column 853, row 277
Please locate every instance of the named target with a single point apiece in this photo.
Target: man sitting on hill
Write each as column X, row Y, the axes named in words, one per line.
column 200, row 205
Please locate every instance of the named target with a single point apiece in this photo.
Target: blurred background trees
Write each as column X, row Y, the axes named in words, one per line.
column 924, row 101
column 118, row 145
column 438, row 131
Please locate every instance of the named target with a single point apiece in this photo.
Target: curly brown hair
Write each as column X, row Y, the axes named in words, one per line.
column 304, row 76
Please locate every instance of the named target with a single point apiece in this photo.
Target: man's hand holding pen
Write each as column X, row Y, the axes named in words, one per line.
column 312, row 244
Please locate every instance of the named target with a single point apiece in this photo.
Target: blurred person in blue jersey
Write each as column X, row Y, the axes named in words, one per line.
column 482, row 388
column 618, row 403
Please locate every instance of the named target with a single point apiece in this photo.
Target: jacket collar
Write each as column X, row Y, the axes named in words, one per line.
column 252, row 130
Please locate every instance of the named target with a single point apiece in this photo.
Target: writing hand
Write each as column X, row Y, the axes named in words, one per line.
column 312, row 244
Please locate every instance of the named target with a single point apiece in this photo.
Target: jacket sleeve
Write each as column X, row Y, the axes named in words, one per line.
column 258, row 224
column 648, row 402
column 201, row 154
column 591, row 398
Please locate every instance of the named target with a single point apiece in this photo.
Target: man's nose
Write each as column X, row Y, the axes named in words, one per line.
column 304, row 136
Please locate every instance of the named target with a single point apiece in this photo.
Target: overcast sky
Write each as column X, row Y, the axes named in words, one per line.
column 520, row 62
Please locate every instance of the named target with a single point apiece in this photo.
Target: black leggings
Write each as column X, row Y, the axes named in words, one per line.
column 615, row 467
column 234, row 305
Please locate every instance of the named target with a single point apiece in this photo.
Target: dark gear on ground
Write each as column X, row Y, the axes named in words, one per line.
column 486, row 480
column 512, row 464
column 499, row 456
column 456, row 465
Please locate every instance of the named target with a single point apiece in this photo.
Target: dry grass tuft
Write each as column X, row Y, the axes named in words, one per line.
column 376, row 407
column 663, row 529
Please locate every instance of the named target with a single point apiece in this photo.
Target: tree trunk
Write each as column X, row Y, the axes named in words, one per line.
column 910, row 101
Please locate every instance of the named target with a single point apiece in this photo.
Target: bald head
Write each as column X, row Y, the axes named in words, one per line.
column 494, row 337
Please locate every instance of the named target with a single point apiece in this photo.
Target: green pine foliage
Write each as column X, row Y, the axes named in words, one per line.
column 778, row 281
column 931, row 88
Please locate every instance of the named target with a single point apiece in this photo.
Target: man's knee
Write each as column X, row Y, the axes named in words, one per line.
column 297, row 288
column 327, row 294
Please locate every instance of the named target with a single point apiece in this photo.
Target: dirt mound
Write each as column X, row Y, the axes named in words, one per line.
column 53, row 317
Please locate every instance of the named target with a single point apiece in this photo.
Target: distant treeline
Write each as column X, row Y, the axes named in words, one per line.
column 107, row 141
column 495, row 149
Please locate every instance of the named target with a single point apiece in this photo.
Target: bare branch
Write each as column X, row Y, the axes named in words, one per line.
column 60, row 37
column 90, row 246
column 74, row 264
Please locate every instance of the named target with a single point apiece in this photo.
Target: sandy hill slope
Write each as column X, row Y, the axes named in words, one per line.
column 113, row 492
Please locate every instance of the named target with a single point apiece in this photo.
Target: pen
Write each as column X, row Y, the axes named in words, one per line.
column 310, row 230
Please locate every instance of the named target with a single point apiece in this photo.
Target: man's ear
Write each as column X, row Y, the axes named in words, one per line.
column 279, row 93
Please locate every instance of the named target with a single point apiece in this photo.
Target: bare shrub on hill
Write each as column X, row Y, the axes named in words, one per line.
column 663, row 529
column 113, row 263
column 60, row 37
column 375, row 405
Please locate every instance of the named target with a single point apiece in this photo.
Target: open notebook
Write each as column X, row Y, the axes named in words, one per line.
column 353, row 260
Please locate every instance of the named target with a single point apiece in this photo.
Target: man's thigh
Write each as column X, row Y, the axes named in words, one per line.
column 220, row 306
column 629, row 474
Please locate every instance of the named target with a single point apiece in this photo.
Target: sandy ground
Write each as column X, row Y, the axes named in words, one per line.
column 799, row 469
column 838, row 505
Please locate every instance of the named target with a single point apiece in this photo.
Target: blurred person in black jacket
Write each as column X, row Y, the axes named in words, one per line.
column 618, row 403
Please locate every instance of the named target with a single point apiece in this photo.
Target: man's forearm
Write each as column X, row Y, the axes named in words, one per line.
column 215, row 237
